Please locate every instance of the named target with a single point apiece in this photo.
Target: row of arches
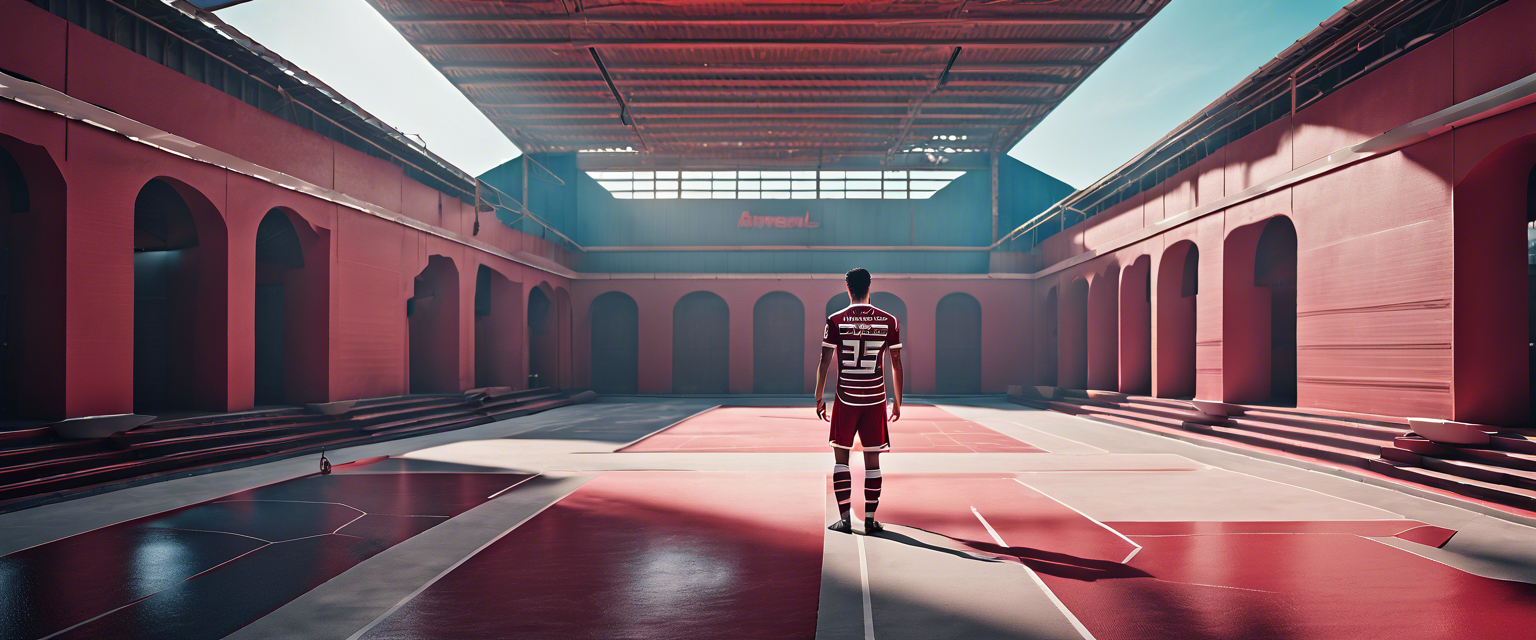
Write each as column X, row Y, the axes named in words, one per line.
column 183, row 316
column 780, row 342
column 1098, row 329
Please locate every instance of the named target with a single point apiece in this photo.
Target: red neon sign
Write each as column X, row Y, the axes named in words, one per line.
column 749, row 221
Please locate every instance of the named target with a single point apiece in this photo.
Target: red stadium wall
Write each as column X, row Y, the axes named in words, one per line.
column 1409, row 287
column 81, row 288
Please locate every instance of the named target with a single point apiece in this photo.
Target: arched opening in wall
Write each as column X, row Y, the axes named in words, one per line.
column 564, row 329
column 1259, row 313
column 292, row 311
column 778, row 344
column 1136, row 327
column 1072, row 370
column 957, row 344
column 32, row 217
column 497, row 299
column 1530, row 288
column 543, row 338
column 180, row 300
column 701, row 344
column 1104, row 331
column 1050, row 340
column 1178, row 290
column 615, row 344
column 433, row 310
column 889, row 303
column 1492, row 302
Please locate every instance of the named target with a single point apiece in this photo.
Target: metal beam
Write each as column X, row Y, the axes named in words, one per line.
column 779, row 68
column 587, row 19
column 693, row 43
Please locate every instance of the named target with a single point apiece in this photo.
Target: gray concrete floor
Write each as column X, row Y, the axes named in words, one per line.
column 918, row 585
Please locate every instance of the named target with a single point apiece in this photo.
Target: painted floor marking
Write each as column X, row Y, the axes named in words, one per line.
column 412, row 595
column 1076, row 624
column 1092, row 519
column 869, row 613
column 1052, row 435
column 685, row 419
column 514, row 486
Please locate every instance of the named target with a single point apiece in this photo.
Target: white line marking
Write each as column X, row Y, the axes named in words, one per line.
column 514, row 486
column 869, row 612
column 1092, row 519
column 1052, row 435
column 1076, row 624
column 412, row 595
column 685, row 419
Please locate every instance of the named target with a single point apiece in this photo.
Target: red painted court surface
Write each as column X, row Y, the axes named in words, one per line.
column 1218, row 579
column 921, row 429
column 206, row 570
column 641, row 555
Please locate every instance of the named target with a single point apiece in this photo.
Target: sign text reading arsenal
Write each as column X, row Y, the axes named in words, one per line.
column 749, row 221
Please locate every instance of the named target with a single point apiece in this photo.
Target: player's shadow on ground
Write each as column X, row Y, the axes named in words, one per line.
column 1060, row 565
column 893, row 536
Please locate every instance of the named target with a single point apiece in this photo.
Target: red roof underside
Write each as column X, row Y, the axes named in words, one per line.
column 785, row 81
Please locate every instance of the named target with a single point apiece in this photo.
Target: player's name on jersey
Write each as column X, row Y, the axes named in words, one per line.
column 872, row 319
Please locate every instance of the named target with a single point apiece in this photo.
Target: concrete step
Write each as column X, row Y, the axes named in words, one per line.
column 1492, row 492
column 1307, row 448
column 1381, row 433
column 1339, row 440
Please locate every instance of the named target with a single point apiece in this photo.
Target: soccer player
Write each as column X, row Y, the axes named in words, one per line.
column 859, row 336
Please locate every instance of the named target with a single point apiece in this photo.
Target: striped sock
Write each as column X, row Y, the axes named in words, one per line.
column 871, row 492
column 842, row 488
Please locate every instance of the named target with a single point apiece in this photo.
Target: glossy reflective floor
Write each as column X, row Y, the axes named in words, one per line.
column 650, row 518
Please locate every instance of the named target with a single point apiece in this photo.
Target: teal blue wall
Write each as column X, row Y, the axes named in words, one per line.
column 958, row 215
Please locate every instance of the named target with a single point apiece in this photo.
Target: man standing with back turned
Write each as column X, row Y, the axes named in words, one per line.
column 859, row 336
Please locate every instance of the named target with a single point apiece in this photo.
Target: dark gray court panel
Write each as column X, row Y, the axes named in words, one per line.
column 778, row 344
column 957, row 344
column 701, row 344
column 615, row 344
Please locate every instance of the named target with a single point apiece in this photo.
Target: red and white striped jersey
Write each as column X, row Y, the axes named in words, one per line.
column 861, row 334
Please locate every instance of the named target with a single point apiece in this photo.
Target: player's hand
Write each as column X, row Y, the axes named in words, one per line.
column 895, row 411
column 821, row 408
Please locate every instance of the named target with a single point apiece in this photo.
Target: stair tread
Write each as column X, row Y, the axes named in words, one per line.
column 1455, row 479
column 1304, row 431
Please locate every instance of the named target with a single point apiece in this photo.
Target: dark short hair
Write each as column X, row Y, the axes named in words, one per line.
column 858, row 282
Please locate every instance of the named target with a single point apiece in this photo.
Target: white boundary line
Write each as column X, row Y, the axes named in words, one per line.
column 869, row 613
column 1047, row 433
column 412, row 595
column 1076, row 624
column 514, row 486
column 684, row 419
column 1090, row 519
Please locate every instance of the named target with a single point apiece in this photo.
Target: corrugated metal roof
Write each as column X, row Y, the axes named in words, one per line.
column 767, row 81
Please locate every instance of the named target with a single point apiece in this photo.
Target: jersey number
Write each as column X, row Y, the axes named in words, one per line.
column 866, row 354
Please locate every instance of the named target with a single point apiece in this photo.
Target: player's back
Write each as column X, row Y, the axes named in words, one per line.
column 861, row 334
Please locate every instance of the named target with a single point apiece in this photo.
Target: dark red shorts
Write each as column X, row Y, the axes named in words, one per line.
column 868, row 422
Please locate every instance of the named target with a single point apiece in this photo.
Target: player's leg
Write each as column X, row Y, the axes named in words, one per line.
column 875, row 438
column 842, row 478
column 872, row 483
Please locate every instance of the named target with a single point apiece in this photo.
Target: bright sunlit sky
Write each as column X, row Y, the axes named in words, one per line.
column 1189, row 55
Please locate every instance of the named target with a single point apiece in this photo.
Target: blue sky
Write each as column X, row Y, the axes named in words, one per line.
column 1187, row 56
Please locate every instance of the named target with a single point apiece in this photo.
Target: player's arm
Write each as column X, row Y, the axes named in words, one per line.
column 898, row 378
column 821, row 381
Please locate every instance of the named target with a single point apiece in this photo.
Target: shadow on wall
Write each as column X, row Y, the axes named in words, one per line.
column 433, row 312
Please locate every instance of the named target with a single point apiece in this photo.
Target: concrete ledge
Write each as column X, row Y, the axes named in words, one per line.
column 93, row 427
column 332, row 408
column 1451, row 432
column 1217, row 409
